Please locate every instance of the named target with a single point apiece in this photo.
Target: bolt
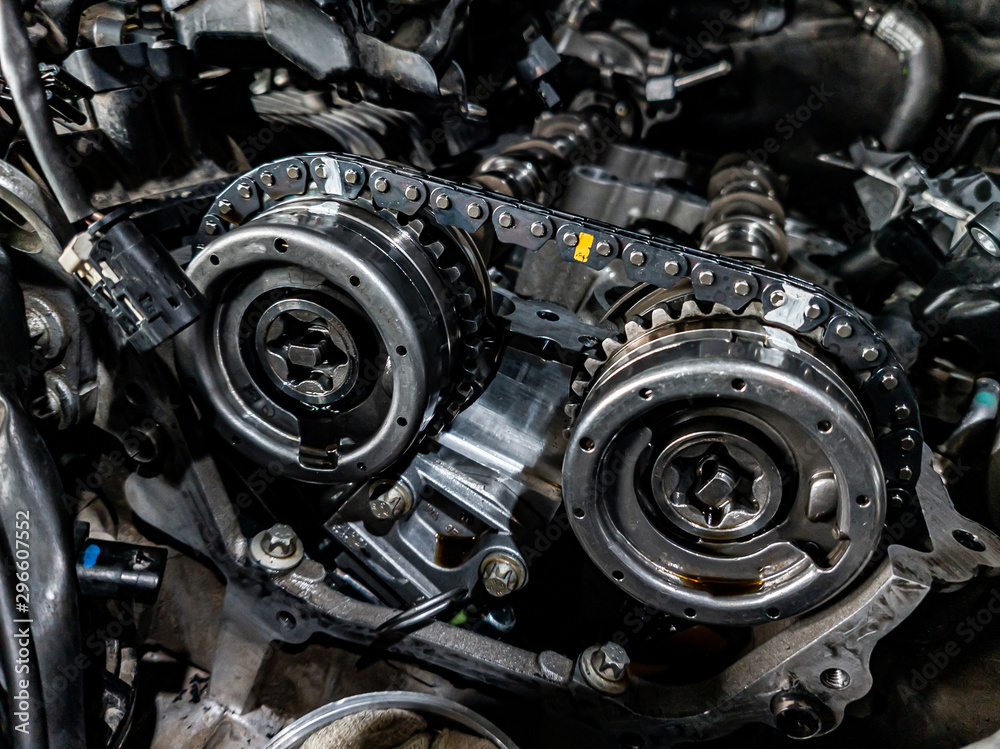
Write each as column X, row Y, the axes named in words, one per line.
column 896, row 500
column 901, row 412
column 320, row 169
column 293, row 171
column 889, row 381
column 843, row 329
column 777, row 297
column 636, row 258
column 381, row 185
column 716, row 483
column 411, row 192
column 501, row 575
column 611, row 661
column 244, row 191
column 869, row 353
column 279, row 541
column 813, row 311
column 391, row 504
column 443, row 202
column 603, row 248
column 796, row 716
column 706, row 278
column 506, row 220
column 537, row 229
column 671, row 267
column 474, row 210
column 211, row 228
column 267, row 179
column 570, row 239
column 907, row 443
column 225, row 207
column 741, row 288
column 905, row 473
column 352, row 177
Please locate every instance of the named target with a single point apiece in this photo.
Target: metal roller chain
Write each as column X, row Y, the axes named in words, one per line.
column 788, row 303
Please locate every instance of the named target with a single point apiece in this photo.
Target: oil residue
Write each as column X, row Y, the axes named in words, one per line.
column 453, row 551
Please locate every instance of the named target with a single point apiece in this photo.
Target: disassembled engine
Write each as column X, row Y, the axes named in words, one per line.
column 574, row 373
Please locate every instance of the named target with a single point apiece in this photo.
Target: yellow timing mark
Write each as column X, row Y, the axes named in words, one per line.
column 582, row 251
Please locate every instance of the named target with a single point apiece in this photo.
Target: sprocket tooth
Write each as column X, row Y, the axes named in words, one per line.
column 659, row 317
column 452, row 273
column 579, row 387
column 690, row 308
column 592, row 365
column 436, row 249
column 720, row 309
column 610, row 346
column 634, row 327
column 571, row 410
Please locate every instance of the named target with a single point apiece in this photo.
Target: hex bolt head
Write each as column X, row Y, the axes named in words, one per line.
column 843, row 329
column 443, row 202
column 907, row 443
column 671, row 267
column 611, row 661
column 603, row 248
column 267, row 179
column 411, row 192
column 474, row 211
column 279, row 541
column 889, row 381
column 813, row 311
column 901, row 412
column 501, row 575
column 776, row 297
column 391, row 504
column 506, row 220
column 869, row 353
column 905, row 473
column 352, row 177
column 320, row 169
column 741, row 288
column 570, row 239
column 293, row 171
column 212, row 227
column 244, row 190
column 706, row 278
column 381, row 184
column 637, row 258
column 225, row 207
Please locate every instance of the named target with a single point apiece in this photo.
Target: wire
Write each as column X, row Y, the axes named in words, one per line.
column 422, row 612
column 20, row 70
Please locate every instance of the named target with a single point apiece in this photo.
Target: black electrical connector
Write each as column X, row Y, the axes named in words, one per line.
column 135, row 280
column 109, row 569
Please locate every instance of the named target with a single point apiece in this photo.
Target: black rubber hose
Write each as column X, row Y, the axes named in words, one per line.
column 20, row 70
column 921, row 52
column 30, row 483
column 21, row 674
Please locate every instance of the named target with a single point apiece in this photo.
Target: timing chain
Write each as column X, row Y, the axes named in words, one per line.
column 788, row 303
